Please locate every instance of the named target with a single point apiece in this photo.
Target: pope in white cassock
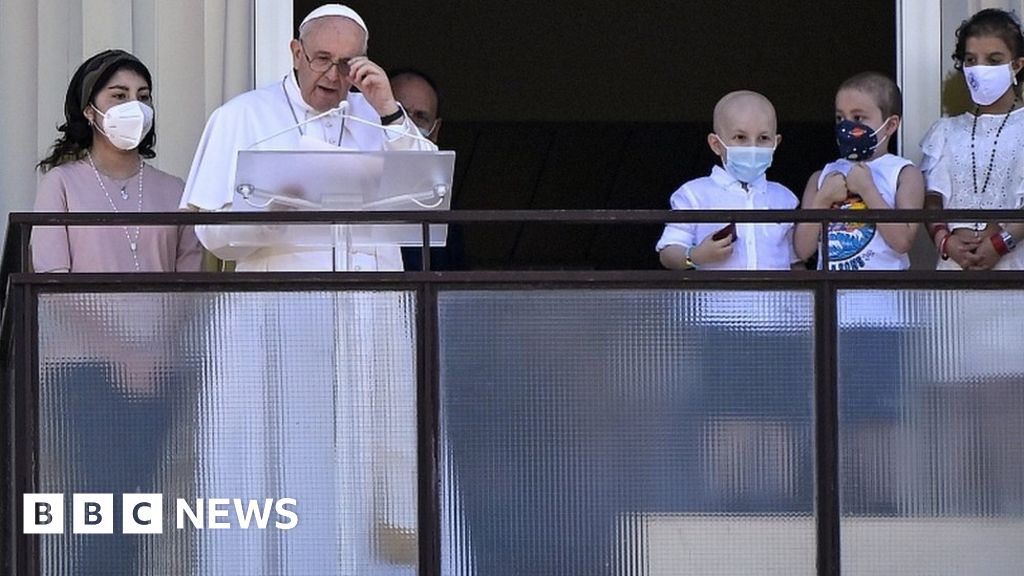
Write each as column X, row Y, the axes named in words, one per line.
column 312, row 394
column 329, row 58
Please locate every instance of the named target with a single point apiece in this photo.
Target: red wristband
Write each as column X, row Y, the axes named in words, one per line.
column 942, row 247
column 935, row 229
column 997, row 241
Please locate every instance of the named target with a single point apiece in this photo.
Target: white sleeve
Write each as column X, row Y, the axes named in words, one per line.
column 679, row 233
column 224, row 241
column 406, row 136
column 210, row 184
column 935, row 163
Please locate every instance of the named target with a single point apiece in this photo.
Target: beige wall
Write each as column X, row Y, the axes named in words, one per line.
column 201, row 52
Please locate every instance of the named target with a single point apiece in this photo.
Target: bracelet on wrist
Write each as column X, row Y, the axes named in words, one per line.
column 934, row 230
column 688, row 262
column 393, row 117
column 999, row 244
column 1009, row 240
column 942, row 246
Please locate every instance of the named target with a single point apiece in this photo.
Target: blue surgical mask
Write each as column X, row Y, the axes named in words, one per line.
column 747, row 163
column 856, row 140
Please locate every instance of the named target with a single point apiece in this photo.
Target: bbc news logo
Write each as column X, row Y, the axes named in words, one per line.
column 144, row 514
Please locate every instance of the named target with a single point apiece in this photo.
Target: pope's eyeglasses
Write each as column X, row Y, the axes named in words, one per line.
column 321, row 64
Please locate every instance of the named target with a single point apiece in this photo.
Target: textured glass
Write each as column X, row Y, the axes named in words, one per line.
column 627, row 432
column 931, row 412
column 250, row 396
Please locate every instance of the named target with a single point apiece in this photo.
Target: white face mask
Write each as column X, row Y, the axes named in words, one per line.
column 988, row 83
column 126, row 124
column 426, row 132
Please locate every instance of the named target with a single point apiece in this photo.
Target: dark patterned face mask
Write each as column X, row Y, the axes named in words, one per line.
column 856, row 140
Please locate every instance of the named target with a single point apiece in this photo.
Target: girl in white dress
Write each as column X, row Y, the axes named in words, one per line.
column 976, row 160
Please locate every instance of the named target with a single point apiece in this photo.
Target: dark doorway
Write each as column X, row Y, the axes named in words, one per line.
column 607, row 104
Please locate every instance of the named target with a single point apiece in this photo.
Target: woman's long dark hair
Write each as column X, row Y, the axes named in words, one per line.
column 89, row 79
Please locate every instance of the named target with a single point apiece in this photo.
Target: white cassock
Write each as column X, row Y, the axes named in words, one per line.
column 302, row 377
column 249, row 119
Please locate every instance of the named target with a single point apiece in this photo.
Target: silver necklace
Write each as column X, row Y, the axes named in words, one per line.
column 133, row 241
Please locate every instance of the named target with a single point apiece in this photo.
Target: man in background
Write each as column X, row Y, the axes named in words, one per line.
column 419, row 95
column 421, row 99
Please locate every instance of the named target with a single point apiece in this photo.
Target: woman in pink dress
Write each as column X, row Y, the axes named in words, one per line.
column 97, row 164
column 112, row 379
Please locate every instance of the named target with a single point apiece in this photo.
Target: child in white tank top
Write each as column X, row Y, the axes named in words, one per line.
column 866, row 176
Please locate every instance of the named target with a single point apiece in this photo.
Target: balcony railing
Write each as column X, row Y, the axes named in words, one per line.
column 497, row 422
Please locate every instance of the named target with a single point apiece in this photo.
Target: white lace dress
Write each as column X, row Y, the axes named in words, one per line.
column 997, row 180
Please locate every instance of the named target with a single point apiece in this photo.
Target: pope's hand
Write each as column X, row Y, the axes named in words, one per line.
column 373, row 82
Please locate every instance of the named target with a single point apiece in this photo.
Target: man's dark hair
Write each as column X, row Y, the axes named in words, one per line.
column 423, row 76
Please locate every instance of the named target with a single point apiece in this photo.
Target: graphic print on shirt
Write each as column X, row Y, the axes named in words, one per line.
column 847, row 240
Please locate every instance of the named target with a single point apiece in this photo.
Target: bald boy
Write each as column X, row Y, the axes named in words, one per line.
column 744, row 138
column 743, row 108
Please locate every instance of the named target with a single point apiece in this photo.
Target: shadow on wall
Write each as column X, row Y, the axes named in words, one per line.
column 956, row 99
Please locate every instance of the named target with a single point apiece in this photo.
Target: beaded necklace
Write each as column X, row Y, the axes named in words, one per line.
column 992, row 156
column 133, row 241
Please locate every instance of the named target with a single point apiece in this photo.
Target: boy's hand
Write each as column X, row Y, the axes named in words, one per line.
column 711, row 250
column 859, row 179
column 833, row 191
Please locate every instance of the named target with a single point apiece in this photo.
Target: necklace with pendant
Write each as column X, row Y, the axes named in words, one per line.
column 133, row 239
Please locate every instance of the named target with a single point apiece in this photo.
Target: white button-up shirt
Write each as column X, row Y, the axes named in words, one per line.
column 766, row 246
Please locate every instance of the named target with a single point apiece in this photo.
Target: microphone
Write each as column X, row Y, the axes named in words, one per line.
column 399, row 129
column 339, row 109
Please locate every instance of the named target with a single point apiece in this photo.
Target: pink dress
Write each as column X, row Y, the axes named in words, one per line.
column 72, row 187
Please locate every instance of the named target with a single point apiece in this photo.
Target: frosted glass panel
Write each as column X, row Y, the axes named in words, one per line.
column 302, row 395
column 931, row 391
column 631, row 432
